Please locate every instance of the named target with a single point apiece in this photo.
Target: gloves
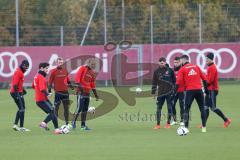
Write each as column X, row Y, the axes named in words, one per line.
column 24, row 92
column 71, row 86
column 206, row 91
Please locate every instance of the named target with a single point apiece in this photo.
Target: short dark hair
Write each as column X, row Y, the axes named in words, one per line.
column 43, row 65
column 162, row 59
column 185, row 57
column 177, row 58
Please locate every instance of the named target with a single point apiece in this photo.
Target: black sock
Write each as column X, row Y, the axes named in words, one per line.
column 169, row 118
column 158, row 117
column 66, row 114
column 21, row 115
column 207, row 113
column 47, row 119
column 75, row 117
column 220, row 114
column 54, row 119
column 83, row 118
column 175, row 118
column 17, row 118
column 203, row 117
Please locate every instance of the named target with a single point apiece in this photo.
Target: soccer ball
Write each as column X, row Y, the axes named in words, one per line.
column 91, row 110
column 138, row 90
column 182, row 131
column 65, row 129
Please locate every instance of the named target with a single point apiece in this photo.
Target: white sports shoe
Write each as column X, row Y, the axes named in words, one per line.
column 22, row 129
column 204, row 129
column 15, row 127
column 173, row 123
column 181, row 124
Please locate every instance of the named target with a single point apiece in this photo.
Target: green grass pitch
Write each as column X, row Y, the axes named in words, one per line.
column 125, row 133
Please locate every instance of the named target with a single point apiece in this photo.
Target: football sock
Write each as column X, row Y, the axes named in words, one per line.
column 220, row 114
column 17, row 118
column 21, row 116
column 83, row 118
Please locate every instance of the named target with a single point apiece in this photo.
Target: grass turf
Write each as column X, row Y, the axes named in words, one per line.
column 125, row 133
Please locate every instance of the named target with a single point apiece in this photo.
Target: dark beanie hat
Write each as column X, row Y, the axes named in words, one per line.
column 210, row 56
column 25, row 63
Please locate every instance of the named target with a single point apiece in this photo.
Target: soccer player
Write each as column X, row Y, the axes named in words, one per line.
column 191, row 77
column 179, row 95
column 163, row 73
column 41, row 97
column 17, row 92
column 212, row 78
column 86, row 80
column 56, row 80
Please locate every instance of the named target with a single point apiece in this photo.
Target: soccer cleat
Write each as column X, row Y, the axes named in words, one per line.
column 44, row 126
column 15, row 127
column 157, row 127
column 204, row 129
column 22, row 129
column 73, row 125
column 58, row 131
column 167, row 126
column 173, row 123
column 85, row 128
column 182, row 124
column 226, row 124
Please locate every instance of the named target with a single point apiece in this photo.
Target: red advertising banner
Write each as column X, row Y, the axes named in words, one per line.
column 226, row 57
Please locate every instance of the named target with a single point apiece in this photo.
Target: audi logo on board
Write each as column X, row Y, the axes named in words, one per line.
column 13, row 63
column 201, row 59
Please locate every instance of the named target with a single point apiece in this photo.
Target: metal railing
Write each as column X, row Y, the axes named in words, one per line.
column 39, row 24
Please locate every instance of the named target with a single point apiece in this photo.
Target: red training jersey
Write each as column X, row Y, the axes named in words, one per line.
column 40, row 84
column 180, row 86
column 86, row 77
column 191, row 77
column 212, row 77
column 17, row 79
column 57, row 77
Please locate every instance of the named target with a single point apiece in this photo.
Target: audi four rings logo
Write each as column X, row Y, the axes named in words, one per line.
column 201, row 59
column 13, row 63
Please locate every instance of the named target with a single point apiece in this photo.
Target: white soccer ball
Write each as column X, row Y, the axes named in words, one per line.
column 65, row 129
column 91, row 110
column 182, row 131
column 138, row 90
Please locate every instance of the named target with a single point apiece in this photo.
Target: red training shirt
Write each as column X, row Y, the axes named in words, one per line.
column 86, row 77
column 57, row 76
column 180, row 86
column 191, row 77
column 40, row 84
column 17, row 79
column 212, row 77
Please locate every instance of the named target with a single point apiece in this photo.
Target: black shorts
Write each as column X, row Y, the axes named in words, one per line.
column 61, row 96
column 82, row 103
column 19, row 100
